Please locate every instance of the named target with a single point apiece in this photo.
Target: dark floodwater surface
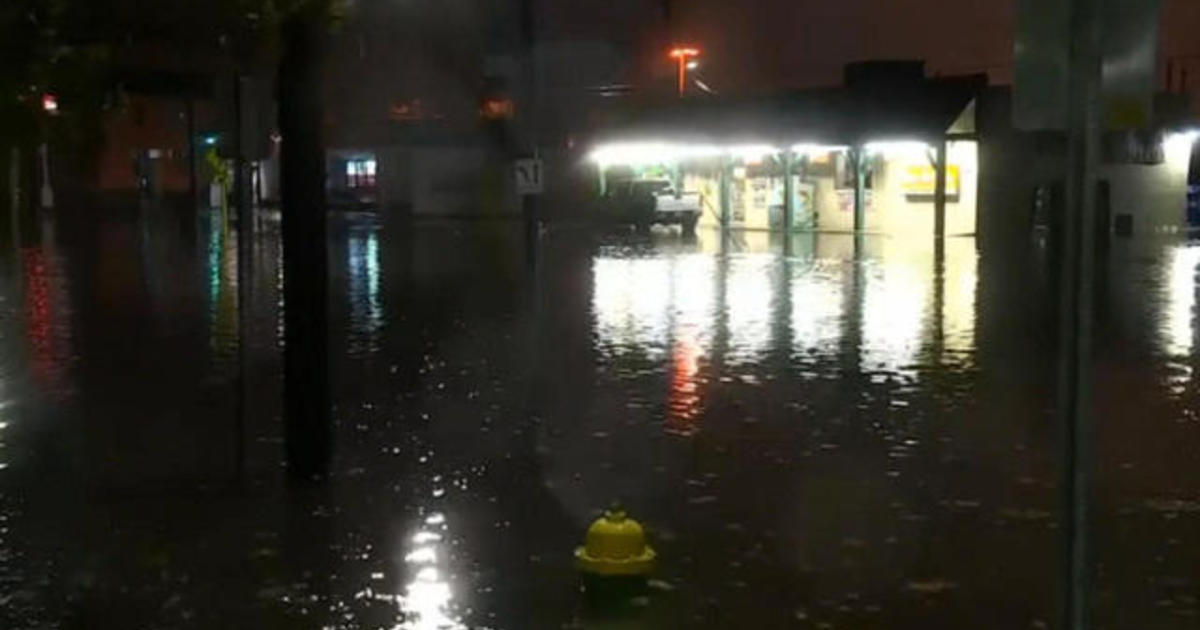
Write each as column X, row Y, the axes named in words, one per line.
column 814, row 439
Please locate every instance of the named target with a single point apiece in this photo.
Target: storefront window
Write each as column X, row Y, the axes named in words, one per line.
column 360, row 173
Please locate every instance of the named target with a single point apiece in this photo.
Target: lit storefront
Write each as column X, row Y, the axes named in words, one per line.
column 832, row 160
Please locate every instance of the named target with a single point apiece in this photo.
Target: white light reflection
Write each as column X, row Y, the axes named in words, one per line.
column 428, row 600
column 896, row 294
column 630, row 301
column 1179, row 321
column 424, row 538
column 958, row 302
column 422, row 555
column 664, row 309
column 748, row 303
column 817, row 302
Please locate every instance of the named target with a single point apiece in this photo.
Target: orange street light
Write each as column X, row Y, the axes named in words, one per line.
column 681, row 54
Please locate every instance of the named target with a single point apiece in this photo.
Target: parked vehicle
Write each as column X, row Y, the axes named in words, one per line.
column 644, row 202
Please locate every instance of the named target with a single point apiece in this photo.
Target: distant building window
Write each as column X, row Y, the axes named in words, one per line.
column 360, row 173
column 496, row 109
column 406, row 111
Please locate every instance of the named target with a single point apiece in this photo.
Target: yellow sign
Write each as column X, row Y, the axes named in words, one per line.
column 921, row 181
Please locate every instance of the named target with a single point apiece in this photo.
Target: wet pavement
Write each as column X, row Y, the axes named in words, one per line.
column 814, row 437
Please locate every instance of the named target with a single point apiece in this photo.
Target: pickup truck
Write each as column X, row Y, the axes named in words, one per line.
column 643, row 202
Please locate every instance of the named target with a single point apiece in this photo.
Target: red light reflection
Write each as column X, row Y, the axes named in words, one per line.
column 683, row 400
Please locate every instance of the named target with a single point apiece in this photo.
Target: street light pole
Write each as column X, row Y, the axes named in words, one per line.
column 682, row 55
column 1077, row 295
column 682, row 75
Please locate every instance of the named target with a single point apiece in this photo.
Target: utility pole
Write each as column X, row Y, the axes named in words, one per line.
column 245, row 243
column 529, row 203
column 1075, row 313
column 683, row 55
column 47, row 189
column 14, row 186
column 307, row 423
column 191, row 131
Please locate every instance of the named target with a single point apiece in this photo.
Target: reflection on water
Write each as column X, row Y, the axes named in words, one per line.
column 817, row 303
column 630, row 301
column 895, row 306
column 747, row 302
column 1179, row 316
column 892, row 304
column 222, row 290
column 3, row 457
column 806, row 428
column 683, row 400
column 427, row 601
column 366, row 307
column 47, row 314
column 958, row 295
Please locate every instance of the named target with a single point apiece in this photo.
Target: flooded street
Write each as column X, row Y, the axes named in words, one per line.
column 814, row 436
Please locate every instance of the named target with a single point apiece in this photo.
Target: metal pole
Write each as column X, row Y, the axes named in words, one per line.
column 789, row 191
column 1075, row 318
column 726, row 192
column 47, row 196
column 245, row 240
column 939, row 195
column 191, row 131
column 860, row 189
column 529, row 204
column 682, row 74
column 14, row 184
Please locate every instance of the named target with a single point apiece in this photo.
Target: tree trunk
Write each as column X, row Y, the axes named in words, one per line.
column 308, row 431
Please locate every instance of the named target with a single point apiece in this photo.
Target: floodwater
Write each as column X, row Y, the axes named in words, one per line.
column 813, row 437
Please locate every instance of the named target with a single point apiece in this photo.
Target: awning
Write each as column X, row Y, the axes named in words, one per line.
column 840, row 116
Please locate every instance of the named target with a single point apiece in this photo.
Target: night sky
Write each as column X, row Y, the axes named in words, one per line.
column 766, row 44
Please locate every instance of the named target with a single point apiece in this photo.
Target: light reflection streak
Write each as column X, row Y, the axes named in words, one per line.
column 669, row 309
column 816, row 310
column 662, row 308
column 748, row 302
column 366, row 307
column 1178, row 329
column 630, row 301
column 39, row 316
column 958, row 305
column 428, row 599
column 47, row 310
column 683, row 399
column 894, row 303
column 222, row 287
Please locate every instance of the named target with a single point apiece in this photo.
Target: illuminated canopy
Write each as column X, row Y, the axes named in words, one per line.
column 890, row 117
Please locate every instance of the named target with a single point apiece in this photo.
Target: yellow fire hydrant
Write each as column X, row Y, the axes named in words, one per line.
column 615, row 547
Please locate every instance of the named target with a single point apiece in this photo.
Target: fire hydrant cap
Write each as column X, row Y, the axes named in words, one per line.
column 615, row 545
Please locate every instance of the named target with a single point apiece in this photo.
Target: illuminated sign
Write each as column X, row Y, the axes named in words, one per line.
column 921, row 180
